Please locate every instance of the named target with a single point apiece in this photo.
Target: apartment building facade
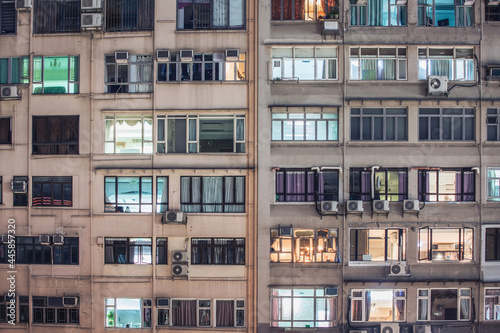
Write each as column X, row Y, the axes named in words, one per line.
column 127, row 165
column 378, row 154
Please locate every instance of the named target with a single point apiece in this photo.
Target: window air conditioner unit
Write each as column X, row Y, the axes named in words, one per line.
column 411, row 205
column 329, row 207
column 232, row 55
column 163, row 55
column 23, row 4
column 331, row 27
column 70, row 302
column 401, row 2
column 180, row 270
column 361, row 2
column 286, row 231
column 91, row 20
column 19, row 186
column 381, row 206
column 173, row 217
column 121, row 57
column 44, row 239
column 389, row 328
column 5, row 239
column 92, row 4
column 58, row 239
column 162, row 302
column 422, row 329
column 469, row 2
column 179, row 256
column 331, row 291
column 437, row 85
column 9, row 92
column 187, row 55
column 493, row 2
column 399, row 269
column 493, row 72
column 354, row 206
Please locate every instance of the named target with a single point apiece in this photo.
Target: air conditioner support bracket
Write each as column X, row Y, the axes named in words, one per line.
column 386, row 213
column 410, row 212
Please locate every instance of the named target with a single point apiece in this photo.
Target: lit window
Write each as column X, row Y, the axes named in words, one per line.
column 454, row 63
column 133, row 251
column 55, row 135
column 377, row 245
column 446, row 185
column 56, row 16
column 379, row 124
column 307, row 10
column 14, row 70
column 52, row 310
column 304, row 124
column 450, row 244
column 446, row 124
column 378, row 305
column 493, row 184
column 378, row 13
column 491, row 303
column 306, row 185
column 443, row 304
column 210, row 14
column 129, row 135
column 123, row 15
column 217, row 251
column 492, row 244
column 56, row 75
column 133, row 76
column 128, row 312
column 304, row 63
column 53, row 191
column 445, row 13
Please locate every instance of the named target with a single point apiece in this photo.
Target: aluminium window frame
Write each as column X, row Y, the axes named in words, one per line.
column 428, row 299
column 3, row 125
column 114, row 85
column 211, row 249
column 426, row 119
column 114, row 207
column 69, row 125
column 45, row 309
column 425, row 9
column 496, row 304
column 402, row 246
column 493, row 120
column 129, row 248
column 362, row 115
column 422, row 182
column 40, row 82
column 360, row 9
column 115, row 118
column 362, row 298
column 161, row 251
column 144, row 306
column 211, row 24
column 425, row 237
column 9, row 6
column 23, row 68
column 65, row 182
column 39, row 251
column 493, row 184
column 455, row 60
column 400, row 60
column 496, row 245
column 310, row 194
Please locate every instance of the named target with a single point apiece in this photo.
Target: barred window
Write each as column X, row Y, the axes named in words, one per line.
column 56, row 16
column 8, row 17
column 55, row 135
column 129, row 15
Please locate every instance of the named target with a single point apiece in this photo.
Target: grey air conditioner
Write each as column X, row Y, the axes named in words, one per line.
column 9, row 92
column 187, row 55
column 44, row 239
column 362, row 2
column 389, row 328
column 398, row 269
column 58, row 239
column 381, row 206
column 70, row 302
column 331, row 291
column 422, row 329
column 23, row 4
column 469, row 2
column 163, row 55
column 411, row 205
column 354, row 206
column 329, row 207
column 91, row 20
column 180, row 256
column 286, row 231
column 91, row 4
column 180, row 270
column 232, row 55
column 358, row 331
column 19, row 186
column 121, row 57
column 437, row 85
column 401, row 2
column 162, row 302
column 173, row 217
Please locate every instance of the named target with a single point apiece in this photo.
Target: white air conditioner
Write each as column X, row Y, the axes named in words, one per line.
column 286, row 231
column 493, row 2
column 331, row 291
column 92, row 4
column 469, row 2
column 389, row 328
column 23, row 4
column 399, row 269
column 9, row 92
column 179, row 256
column 44, row 239
column 187, row 55
column 381, row 205
column 422, row 329
column 331, row 27
column 329, row 207
column 367, row 257
column 173, row 217
column 180, row 270
column 19, row 186
column 121, row 57
column 162, row 302
column 411, row 205
column 354, row 206
column 70, row 302
column 401, row 2
column 361, row 2
column 163, row 55
column 232, row 55
column 58, row 239
column 5, row 239
column 91, row 20
column 437, row 85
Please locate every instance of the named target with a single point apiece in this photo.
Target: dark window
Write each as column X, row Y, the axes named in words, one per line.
column 129, row 15
column 1, row 190
column 5, row 130
column 492, row 252
column 213, row 194
column 379, row 124
column 56, row 75
column 14, row 70
column 55, row 135
column 133, row 76
column 51, row 310
column 453, row 124
column 218, row 251
column 21, row 197
column 492, row 121
column 30, row 251
column 492, row 13
column 52, row 191
column 8, row 17
column 446, row 185
column 135, row 251
column 161, row 251
column 210, row 14
column 306, row 185
column 56, row 16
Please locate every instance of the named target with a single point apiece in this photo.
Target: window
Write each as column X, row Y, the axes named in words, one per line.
column 56, row 75
column 201, row 134
column 230, row 313
column 5, row 314
column 443, row 304
column 493, row 175
column 306, row 185
column 492, row 13
column 21, row 198
column 445, row 13
column 304, row 63
column 377, row 244
column 161, row 251
column 378, row 13
column 203, row 67
column 213, row 194
column 56, row 16
column 453, row 124
column 5, row 130
column 55, row 135
column 450, row 244
column 389, row 184
column 53, row 191
column 491, row 302
column 30, row 251
column 217, row 251
column 123, row 15
column 303, row 307
column 51, row 310
column 128, row 312
column 1, row 190
column 306, row 245
column 454, row 63
column 304, row 124
column 377, row 63
column 307, row 10
column 446, row 185
column 492, row 244
column 14, row 70
column 129, row 134
column 492, row 122
column 161, row 194
column 129, row 194
column 134, row 76
column 210, row 14
column 8, row 17
column 384, row 124
column 378, row 305
column 133, row 251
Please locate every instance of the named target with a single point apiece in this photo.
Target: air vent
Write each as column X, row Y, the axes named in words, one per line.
column 91, row 4
column 91, row 20
column 437, row 85
column 380, row 205
column 411, row 205
column 163, row 302
column 180, row 256
column 58, row 239
column 180, row 270
column 187, row 55
column 362, row 2
column 23, row 4
column 232, row 55
column 331, row 291
column 354, row 206
column 401, row 2
column 329, row 207
column 70, row 302
column 173, row 217
column 9, row 92
column 19, row 186
column 163, row 55
column 121, row 57
column 44, row 239
column 469, row 2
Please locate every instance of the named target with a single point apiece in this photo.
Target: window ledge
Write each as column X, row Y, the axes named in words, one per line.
column 298, row 22
column 308, row 82
column 373, row 263
column 52, row 207
column 204, row 82
column 326, row 264
column 197, row 328
column 295, row 203
column 198, row 31
column 304, row 143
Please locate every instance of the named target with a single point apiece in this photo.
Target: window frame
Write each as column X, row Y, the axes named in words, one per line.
column 357, row 58
column 118, row 84
column 21, row 199
column 310, row 192
column 39, row 184
column 46, row 309
column 364, row 113
column 209, row 251
column 111, row 139
column 1, row 190
column 60, row 145
column 427, row 299
column 493, row 184
column 143, row 22
column 360, row 13
column 358, row 258
column 491, row 13
column 354, row 297
column 22, row 69
column 4, row 123
column 31, row 253
column 305, row 15
column 425, row 9
column 495, row 295
column 130, row 248
column 425, row 59
column 359, row 176
column 146, row 311
column 162, row 251
column 463, row 195
column 493, row 117
column 427, row 119
column 426, row 247
column 55, row 16
column 8, row 6
column 211, row 25
column 39, row 79
column 494, row 243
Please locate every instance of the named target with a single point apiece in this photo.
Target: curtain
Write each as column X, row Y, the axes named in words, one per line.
column 368, row 69
column 441, row 67
column 376, row 12
column 276, row 10
column 459, row 190
column 299, row 9
column 423, row 309
column 386, row 69
column 236, row 13
column 468, row 189
column 280, row 185
column 184, row 313
column 368, row 305
column 220, row 9
column 295, row 184
column 464, row 309
column 400, row 310
column 224, row 313
column 365, row 186
column 212, row 194
column 357, row 310
column 402, row 185
column 328, row 6
column 321, row 188
column 275, row 311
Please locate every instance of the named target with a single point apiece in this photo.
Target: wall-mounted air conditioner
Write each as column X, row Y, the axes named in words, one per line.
column 163, row 55
column 422, row 329
column 44, row 239
column 493, row 2
column 187, row 55
column 121, row 57
column 180, row 270
column 91, row 20
column 469, row 2
column 232, row 54
column 23, row 4
column 401, row 2
column 381, row 206
column 180, row 256
column 91, row 4
column 362, row 2
column 163, row 302
column 331, row 291
column 354, row 206
column 398, row 269
column 331, row 27
column 70, row 302
column 286, row 231
column 329, row 207
column 19, row 186
column 173, row 217
column 9, row 92
column 389, row 328
column 411, row 205
column 437, row 85
column 58, row 239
